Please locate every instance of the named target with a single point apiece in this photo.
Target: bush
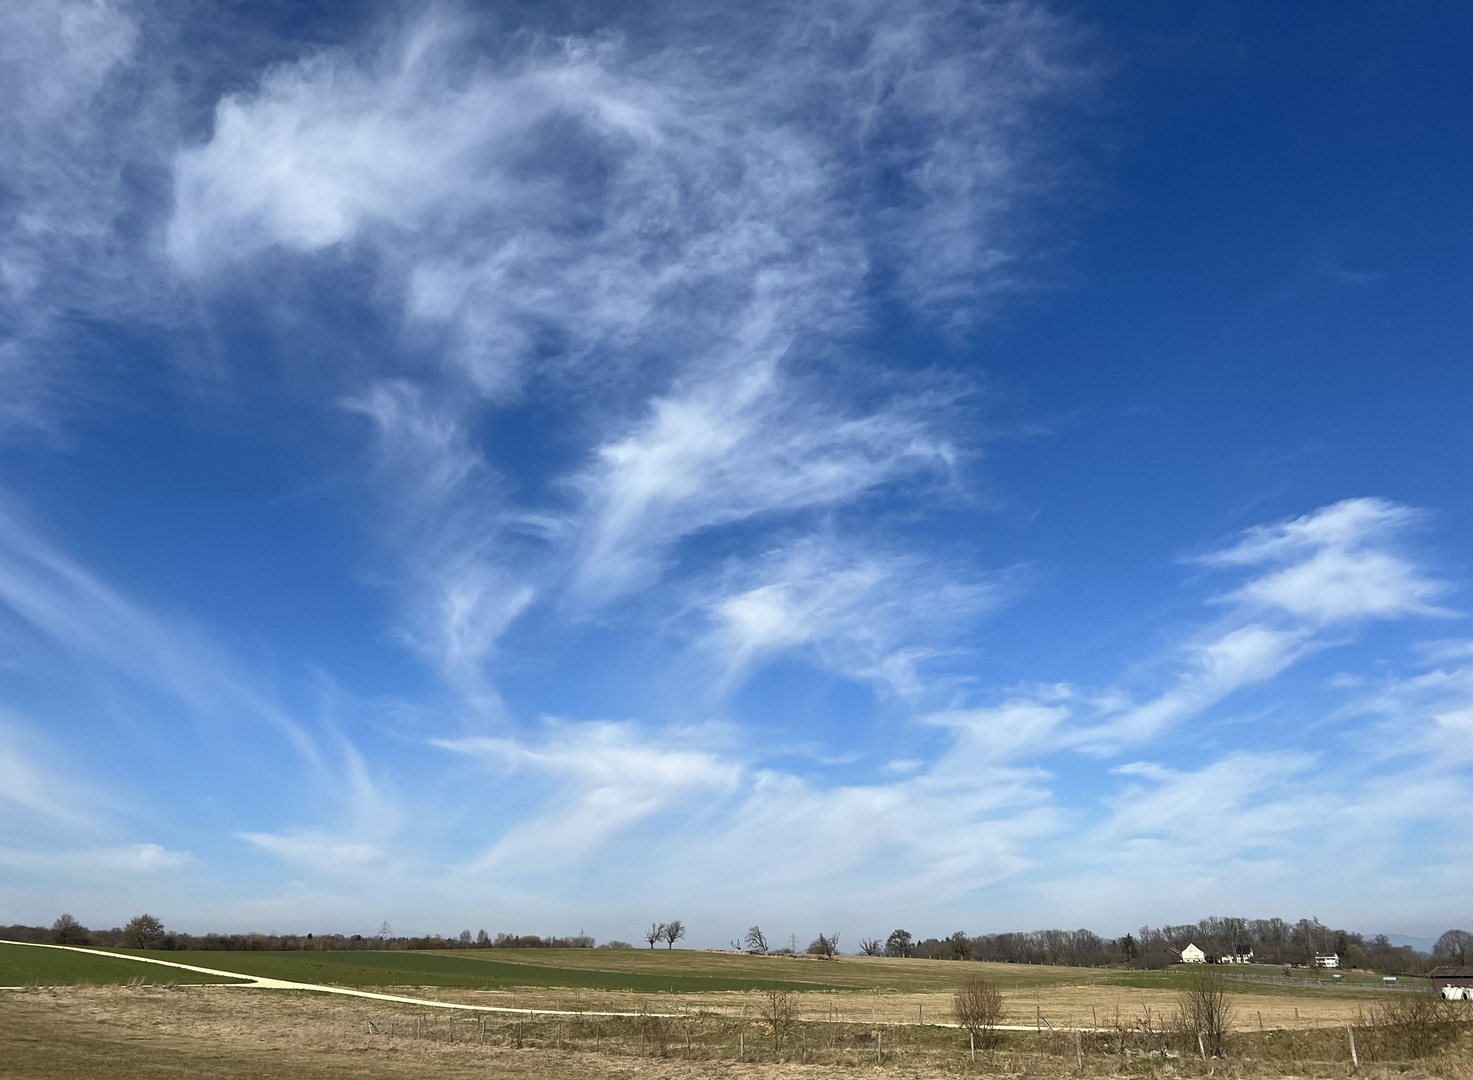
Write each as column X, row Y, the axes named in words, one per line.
column 780, row 1012
column 1203, row 1010
column 978, row 1007
column 1415, row 1025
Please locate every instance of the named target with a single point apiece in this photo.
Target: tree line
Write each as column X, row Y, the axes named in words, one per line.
column 1270, row 941
column 148, row 932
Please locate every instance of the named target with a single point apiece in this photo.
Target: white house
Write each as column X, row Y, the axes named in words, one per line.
column 1237, row 958
column 1331, row 961
column 1193, row 955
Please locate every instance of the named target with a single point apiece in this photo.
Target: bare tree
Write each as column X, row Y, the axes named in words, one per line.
column 1455, row 946
column 978, row 1006
column 1235, row 935
column 824, row 945
column 1204, row 1008
column 655, row 933
column 756, row 940
column 67, row 931
column 142, row 932
column 780, row 1012
column 674, row 931
column 871, row 946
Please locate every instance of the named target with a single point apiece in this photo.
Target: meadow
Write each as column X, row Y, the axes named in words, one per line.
column 685, row 1012
column 21, row 965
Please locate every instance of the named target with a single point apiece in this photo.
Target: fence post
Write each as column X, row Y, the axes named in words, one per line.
column 880, row 1048
column 1079, row 1048
column 1354, row 1060
column 974, row 1045
column 1260, row 1023
column 741, row 1046
column 1201, row 1049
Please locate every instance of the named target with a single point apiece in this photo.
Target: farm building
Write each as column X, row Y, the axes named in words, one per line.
column 1237, row 958
column 1193, row 955
column 1453, row 983
column 1330, row 961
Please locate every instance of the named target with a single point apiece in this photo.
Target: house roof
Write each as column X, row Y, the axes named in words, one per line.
column 1465, row 972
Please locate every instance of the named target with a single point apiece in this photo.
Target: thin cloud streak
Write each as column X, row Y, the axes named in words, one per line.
column 67, row 603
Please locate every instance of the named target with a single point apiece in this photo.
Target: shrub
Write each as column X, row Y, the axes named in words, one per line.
column 1204, row 1011
column 1414, row 1025
column 978, row 1007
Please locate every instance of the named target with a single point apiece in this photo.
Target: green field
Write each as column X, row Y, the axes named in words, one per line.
column 646, row 971
column 484, row 970
column 23, row 965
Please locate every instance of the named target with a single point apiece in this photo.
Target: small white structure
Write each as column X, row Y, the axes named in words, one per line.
column 1193, row 955
column 1237, row 958
column 1331, row 961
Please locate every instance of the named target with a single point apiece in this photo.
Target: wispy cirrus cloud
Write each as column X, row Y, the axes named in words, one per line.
column 1339, row 564
column 866, row 612
column 671, row 241
column 450, row 529
column 34, row 783
column 606, row 778
column 733, row 450
column 65, row 601
column 65, row 140
column 1318, row 576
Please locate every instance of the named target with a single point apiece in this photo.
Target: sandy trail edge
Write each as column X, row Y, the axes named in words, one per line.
column 261, row 982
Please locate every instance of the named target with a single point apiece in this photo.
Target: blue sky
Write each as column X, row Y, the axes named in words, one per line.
column 833, row 466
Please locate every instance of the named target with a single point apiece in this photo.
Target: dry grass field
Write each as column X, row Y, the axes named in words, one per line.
column 878, row 1015
column 229, row 1032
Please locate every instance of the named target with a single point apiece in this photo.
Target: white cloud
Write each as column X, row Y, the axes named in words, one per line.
column 1320, row 574
column 93, row 863
column 869, row 614
column 1341, row 565
column 320, row 853
column 1426, row 714
column 83, row 130
column 618, row 795
column 606, row 778
column 1241, row 801
column 1015, row 729
column 462, row 588
column 732, row 449
column 668, row 235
